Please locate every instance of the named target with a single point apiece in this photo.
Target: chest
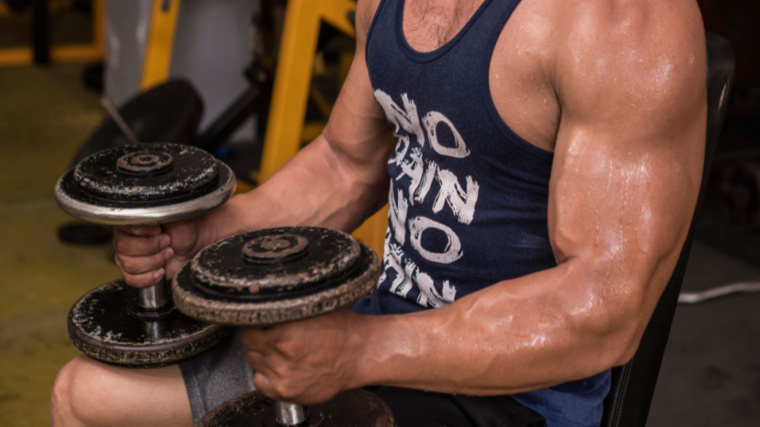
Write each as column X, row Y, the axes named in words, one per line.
column 519, row 77
column 429, row 24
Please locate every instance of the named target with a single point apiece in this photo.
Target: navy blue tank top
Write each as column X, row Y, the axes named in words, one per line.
column 468, row 197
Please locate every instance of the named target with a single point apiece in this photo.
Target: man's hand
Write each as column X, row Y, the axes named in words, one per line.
column 305, row 362
column 146, row 254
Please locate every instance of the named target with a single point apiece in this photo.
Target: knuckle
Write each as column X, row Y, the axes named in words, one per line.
column 155, row 242
column 143, row 230
column 127, row 265
column 258, row 379
column 262, row 383
column 286, row 346
column 283, row 371
column 119, row 244
column 287, row 350
column 131, row 265
column 132, row 231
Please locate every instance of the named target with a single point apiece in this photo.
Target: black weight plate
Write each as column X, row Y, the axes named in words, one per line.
column 76, row 202
column 274, row 262
column 353, row 408
column 140, row 174
column 81, row 233
column 100, row 325
column 168, row 112
column 281, row 304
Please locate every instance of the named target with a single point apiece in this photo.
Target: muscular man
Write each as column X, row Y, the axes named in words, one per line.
column 544, row 160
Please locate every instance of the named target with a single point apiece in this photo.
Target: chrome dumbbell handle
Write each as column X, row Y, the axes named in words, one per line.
column 290, row 414
column 154, row 297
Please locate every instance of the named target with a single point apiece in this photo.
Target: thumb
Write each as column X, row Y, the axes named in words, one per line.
column 184, row 243
column 184, row 237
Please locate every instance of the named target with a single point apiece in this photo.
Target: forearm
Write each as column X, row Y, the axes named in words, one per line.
column 317, row 188
column 519, row 335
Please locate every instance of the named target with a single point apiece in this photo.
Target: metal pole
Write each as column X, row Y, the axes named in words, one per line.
column 41, row 32
column 289, row 414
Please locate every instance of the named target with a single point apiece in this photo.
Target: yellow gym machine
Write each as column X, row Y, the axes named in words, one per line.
column 292, row 81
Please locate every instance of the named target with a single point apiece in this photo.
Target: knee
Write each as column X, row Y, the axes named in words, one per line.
column 79, row 397
column 91, row 393
column 61, row 413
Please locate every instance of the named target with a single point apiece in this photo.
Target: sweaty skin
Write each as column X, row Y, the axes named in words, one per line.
column 615, row 88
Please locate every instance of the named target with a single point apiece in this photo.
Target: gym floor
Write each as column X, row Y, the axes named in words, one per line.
column 710, row 376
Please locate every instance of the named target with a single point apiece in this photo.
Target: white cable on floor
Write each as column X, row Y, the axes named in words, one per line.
column 720, row 291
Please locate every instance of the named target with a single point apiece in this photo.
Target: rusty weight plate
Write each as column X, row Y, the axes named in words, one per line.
column 275, row 275
column 147, row 184
column 103, row 325
column 354, row 408
column 144, row 185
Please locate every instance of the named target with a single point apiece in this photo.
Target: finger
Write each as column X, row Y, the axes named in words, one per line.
column 140, row 231
column 174, row 265
column 144, row 264
column 134, row 246
column 256, row 360
column 262, row 383
column 269, row 385
column 142, row 280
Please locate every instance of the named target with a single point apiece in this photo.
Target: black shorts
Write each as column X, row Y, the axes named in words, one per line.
column 415, row 408
column 222, row 373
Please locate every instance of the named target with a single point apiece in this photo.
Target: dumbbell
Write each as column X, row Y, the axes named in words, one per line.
column 132, row 185
column 273, row 276
column 167, row 112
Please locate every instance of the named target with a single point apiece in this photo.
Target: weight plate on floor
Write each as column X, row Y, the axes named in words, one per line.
column 355, row 408
column 145, row 185
column 274, row 276
column 101, row 325
column 168, row 112
column 82, row 233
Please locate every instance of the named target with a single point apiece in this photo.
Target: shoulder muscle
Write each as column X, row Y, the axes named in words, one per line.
column 631, row 55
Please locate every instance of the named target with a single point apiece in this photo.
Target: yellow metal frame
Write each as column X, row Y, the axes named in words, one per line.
column 158, row 49
column 286, row 127
column 295, row 64
column 70, row 53
column 293, row 76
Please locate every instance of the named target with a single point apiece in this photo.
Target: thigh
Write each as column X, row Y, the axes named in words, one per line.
column 415, row 408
